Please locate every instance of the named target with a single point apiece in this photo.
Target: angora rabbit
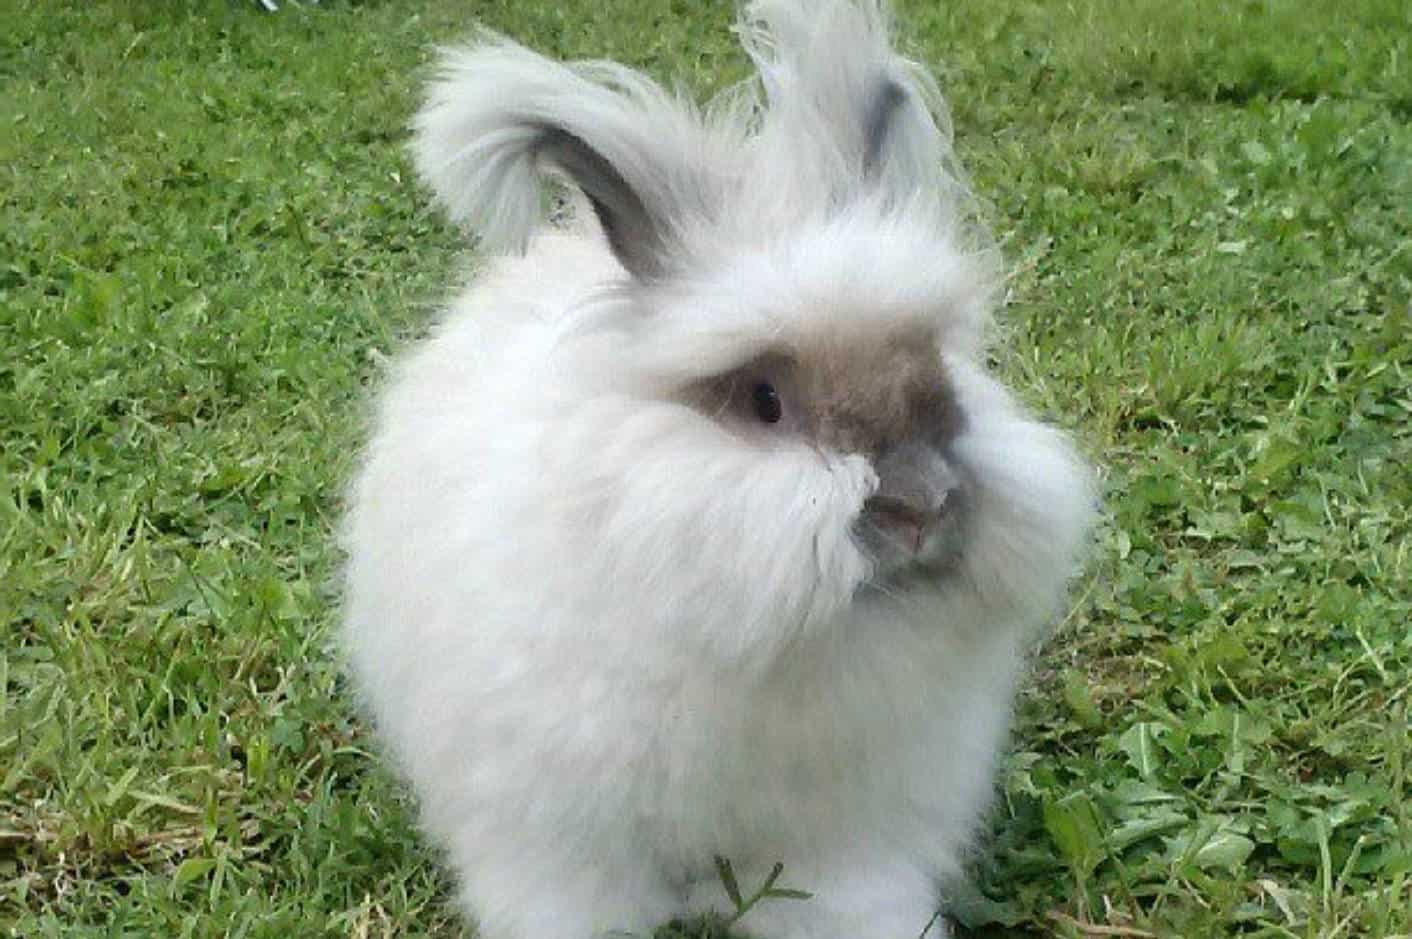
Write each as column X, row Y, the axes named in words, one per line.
column 698, row 528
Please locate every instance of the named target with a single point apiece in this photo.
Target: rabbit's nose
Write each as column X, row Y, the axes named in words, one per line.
column 915, row 485
column 908, row 520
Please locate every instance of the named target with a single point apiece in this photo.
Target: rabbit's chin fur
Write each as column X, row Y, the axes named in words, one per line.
column 610, row 635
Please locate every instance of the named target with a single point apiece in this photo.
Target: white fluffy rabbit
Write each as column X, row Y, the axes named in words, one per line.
column 698, row 528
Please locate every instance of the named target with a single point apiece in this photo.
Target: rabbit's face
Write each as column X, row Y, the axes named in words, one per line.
column 786, row 429
column 884, row 398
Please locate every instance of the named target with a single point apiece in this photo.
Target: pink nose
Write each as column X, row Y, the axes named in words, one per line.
column 909, row 520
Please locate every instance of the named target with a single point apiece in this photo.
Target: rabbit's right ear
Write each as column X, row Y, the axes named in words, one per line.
column 842, row 101
column 499, row 116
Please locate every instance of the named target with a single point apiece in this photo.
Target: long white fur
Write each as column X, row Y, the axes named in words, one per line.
column 608, row 639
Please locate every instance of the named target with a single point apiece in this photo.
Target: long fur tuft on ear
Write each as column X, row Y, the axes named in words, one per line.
column 498, row 117
column 857, row 115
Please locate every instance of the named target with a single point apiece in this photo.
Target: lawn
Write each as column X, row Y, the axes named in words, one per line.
column 211, row 242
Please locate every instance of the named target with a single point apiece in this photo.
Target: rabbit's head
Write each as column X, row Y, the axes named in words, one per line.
column 778, row 407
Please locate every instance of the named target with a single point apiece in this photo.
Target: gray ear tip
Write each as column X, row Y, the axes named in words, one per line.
column 892, row 92
column 887, row 99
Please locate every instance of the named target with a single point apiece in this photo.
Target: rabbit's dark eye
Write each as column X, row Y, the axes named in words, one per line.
column 767, row 403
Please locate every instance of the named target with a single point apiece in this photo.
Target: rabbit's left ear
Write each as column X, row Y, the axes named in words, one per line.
column 836, row 88
column 499, row 117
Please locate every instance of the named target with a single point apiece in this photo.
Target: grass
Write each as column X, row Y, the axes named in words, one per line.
column 211, row 240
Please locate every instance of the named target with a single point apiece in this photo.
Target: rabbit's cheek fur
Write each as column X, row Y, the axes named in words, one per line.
column 710, row 538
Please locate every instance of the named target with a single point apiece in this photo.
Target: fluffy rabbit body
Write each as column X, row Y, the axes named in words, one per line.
column 698, row 528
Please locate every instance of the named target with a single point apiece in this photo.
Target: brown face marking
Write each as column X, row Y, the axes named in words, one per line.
column 867, row 395
column 863, row 394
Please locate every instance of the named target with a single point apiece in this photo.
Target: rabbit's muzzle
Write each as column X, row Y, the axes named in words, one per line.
column 910, row 515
